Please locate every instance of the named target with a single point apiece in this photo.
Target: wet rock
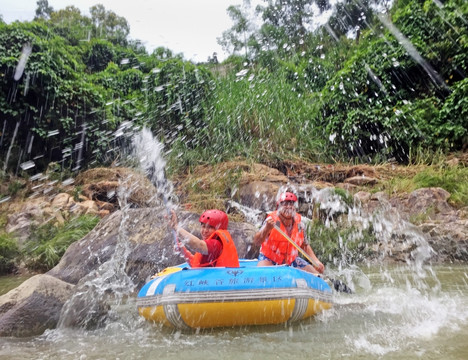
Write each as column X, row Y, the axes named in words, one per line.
column 362, row 196
column 431, row 202
column 347, row 186
column 448, row 239
column 102, row 184
column 33, row 307
column 258, row 195
column 361, row 180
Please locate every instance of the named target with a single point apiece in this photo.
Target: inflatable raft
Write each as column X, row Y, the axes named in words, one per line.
column 187, row 298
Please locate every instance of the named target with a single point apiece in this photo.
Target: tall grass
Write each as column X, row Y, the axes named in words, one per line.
column 9, row 252
column 259, row 116
column 48, row 243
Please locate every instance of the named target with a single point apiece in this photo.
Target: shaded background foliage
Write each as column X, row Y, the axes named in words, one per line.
column 370, row 84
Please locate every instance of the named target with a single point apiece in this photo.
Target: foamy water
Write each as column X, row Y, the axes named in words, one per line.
column 388, row 321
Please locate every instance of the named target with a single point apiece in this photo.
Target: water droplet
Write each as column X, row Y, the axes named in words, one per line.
column 27, row 165
column 52, row 133
column 242, row 73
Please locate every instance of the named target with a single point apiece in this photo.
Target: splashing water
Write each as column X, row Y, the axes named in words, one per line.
column 102, row 291
column 149, row 152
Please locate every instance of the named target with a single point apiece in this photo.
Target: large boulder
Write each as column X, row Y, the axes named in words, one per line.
column 34, row 306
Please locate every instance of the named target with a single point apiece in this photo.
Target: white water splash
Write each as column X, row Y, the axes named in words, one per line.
column 148, row 151
column 27, row 49
column 100, row 293
column 397, row 318
column 104, row 289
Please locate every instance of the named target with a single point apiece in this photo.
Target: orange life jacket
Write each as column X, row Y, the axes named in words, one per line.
column 228, row 256
column 276, row 247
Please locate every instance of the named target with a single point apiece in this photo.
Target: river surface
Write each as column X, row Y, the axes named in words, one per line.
column 396, row 313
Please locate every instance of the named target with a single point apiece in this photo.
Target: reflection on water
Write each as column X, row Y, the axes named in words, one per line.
column 391, row 319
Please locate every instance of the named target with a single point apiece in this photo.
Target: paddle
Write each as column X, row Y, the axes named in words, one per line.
column 337, row 284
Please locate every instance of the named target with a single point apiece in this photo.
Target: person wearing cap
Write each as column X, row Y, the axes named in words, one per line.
column 275, row 248
column 215, row 248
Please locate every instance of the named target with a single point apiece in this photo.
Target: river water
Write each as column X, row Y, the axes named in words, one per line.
column 396, row 314
column 410, row 311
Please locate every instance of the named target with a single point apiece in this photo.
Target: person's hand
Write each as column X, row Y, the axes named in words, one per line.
column 319, row 267
column 173, row 221
column 269, row 225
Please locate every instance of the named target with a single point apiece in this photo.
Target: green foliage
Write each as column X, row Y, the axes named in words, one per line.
column 236, row 38
column 109, row 25
column 100, row 54
column 452, row 126
column 14, row 187
column 286, row 22
column 300, row 94
column 345, row 196
column 43, row 9
column 49, row 242
column 436, row 174
column 9, row 252
column 257, row 115
column 176, row 91
column 351, row 15
column 330, row 243
column 388, row 99
column 71, row 25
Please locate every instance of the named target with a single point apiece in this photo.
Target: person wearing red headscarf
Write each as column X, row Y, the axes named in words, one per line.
column 275, row 248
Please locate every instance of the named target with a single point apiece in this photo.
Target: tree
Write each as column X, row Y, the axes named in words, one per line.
column 107, row 24
column 43, row 10
column 241, row 35
column 352, row 15
column 293, row 19
column 70, row 24
column 100, row 54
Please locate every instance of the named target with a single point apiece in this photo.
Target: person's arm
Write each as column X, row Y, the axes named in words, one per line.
column 191, row 240
column 261, row 235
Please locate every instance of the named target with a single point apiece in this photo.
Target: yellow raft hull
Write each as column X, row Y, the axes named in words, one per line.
column 226, row 297
column 208, row 315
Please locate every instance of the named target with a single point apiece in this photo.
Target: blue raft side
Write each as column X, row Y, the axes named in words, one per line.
column 247, row 277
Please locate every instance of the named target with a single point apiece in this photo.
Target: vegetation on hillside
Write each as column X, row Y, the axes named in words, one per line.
column 368, row 88
column 373, row 84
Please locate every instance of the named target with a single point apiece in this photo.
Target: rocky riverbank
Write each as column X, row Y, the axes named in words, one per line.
column 404, row 224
